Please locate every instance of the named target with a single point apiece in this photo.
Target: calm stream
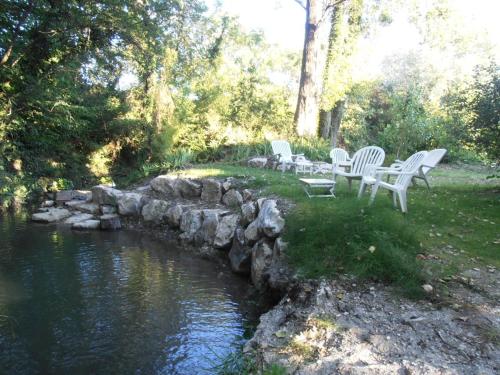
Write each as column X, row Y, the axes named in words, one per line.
column 111, row 303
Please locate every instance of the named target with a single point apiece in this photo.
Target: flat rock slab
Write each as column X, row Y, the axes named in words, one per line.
column 90, row 208
column 52, row 215
column 77, row 218
column 87, row 224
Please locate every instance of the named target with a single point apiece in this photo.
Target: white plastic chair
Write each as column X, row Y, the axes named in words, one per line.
column 405, row 172
column 339, row 155
column 367, row 156
column 430, row 162
column 283, row 151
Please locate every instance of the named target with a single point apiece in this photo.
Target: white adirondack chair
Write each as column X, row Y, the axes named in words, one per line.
column 404, row 173
column 367, row 156
column 430, row 162
column 283, row 151
column 339, row 155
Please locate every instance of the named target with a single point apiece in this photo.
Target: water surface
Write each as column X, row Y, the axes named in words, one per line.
column 111, row 303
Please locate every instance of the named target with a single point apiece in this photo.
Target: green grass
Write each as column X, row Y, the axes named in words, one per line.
column 456, row 221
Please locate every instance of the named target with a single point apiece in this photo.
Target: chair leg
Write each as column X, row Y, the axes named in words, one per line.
column 394, row 199
column 349, row 180
column 362, row 188
column 426, row 182
column 402, row 200
column 374, row 192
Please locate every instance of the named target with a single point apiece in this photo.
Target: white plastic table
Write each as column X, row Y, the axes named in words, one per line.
column 318, row 183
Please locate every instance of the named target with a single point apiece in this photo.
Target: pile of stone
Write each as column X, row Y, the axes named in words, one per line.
column 206, row 212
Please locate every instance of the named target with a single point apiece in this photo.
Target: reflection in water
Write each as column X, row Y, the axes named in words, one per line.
column 110, row 303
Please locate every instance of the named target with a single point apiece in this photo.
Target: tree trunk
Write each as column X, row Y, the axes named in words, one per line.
column 313, row 63
column 336, row 115
column 325, row 118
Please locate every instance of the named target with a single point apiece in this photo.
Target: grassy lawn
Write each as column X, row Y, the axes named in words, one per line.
column 456, row 225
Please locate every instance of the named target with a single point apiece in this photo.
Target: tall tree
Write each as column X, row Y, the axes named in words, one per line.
column 346, row 27
column 313, row 63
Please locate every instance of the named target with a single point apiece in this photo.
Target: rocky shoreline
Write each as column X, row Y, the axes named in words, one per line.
column 213, row 215
column 327, row 327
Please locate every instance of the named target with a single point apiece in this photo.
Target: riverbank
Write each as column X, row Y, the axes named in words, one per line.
column 374, row 257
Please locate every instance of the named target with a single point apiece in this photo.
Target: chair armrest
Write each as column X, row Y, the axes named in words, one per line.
column 297, row 154
column 427, row 166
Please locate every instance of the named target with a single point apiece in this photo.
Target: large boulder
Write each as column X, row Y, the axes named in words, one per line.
column 232, row 198
column 164, row 184
column 248, row 213
column 240, row 254
column 211, row 191
column 225, row 231
column 87, row 224
column 64, row 195
column 155, row 211
column 252, row 234
column 174, row 215
column 52, row 215
column 270, row 221
column 102, row 194
column 107, row 209
column 187, row 188
column 110, row 222
column 262, row 256
column 191, row 222
column 211, row 220
column 78, row 217
column 130, row 204
column 279, row 272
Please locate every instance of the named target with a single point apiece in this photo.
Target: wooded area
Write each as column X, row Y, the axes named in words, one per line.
column 204, row 89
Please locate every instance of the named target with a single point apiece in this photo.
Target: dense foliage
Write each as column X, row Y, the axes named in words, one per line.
column 201, row 89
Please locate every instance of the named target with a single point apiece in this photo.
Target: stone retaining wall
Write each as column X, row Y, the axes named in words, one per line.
column 220, row 214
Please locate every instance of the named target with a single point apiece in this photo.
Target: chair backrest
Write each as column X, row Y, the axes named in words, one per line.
column 432, row 159
column 283, row 149
column 370, row 155
column 338, row 155
column 410, row 166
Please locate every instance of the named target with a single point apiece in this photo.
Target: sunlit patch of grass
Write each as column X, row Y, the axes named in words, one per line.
column 458, row 219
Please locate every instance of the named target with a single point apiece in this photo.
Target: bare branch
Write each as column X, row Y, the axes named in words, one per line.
column 301, row 3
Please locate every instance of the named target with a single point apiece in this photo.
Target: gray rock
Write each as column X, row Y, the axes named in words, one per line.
column 191, row 222
column 174, row 215
column 110, row 222
column 211, row 219
column 155, row 211
column 252, row 234
column 51, row 215
column 225, row 231
column 262, row 256
column 227, row 184
column 106, row 209
column 270, row 221
column 64, row 195
column 83, row 195
column 278, row 274
column 240, row 254
column 248, row 213
column 90, row 208
column 164, row 184
column 48, row 203
column 86, row 224
column 211, row 191
column 130, row 204
column 77, row 218
column 232, row 198
column 257, row 162
column 73, row 202
column 187, row 188
column 247, row 195
column 102, row 194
